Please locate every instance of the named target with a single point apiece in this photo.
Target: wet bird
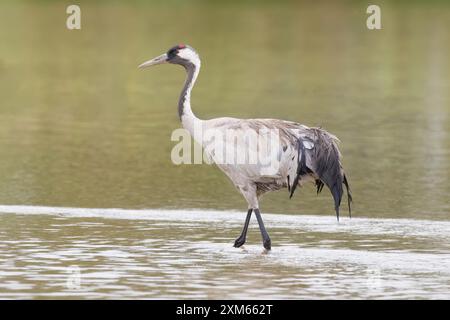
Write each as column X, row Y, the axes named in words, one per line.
column 304, row 153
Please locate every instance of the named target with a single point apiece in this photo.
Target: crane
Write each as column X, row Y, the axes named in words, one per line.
column 303, row 154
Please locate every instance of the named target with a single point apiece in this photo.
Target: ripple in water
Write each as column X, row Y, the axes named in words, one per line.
column 50, row 252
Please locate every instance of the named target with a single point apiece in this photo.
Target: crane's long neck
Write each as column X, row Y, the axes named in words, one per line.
column 185, row 113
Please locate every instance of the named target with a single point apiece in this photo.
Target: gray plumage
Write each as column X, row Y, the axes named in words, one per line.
column 305, row 154
column 321, row 159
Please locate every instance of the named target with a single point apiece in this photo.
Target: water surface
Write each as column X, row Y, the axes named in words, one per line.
column 81, row 127
column 114, row 253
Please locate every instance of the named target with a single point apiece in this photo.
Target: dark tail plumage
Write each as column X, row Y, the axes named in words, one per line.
column 327, row 162
column 324, row 161
column 349, row 196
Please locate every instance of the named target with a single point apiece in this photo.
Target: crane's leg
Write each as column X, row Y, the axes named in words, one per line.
column 266, row 239
column 241, row 239
column 250, row 194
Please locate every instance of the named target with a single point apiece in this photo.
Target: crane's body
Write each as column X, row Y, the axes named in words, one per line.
column 301, row 154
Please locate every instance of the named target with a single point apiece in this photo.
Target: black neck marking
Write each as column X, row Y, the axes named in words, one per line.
column 190, row 69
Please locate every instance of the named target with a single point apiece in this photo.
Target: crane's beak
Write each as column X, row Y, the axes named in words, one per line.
column 158, row 60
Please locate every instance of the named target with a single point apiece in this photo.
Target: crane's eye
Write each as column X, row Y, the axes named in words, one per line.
column 172, row 52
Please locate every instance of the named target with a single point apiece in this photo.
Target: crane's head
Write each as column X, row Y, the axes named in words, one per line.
column 180, row 54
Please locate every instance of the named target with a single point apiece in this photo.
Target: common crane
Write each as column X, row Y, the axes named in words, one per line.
column 304, row 153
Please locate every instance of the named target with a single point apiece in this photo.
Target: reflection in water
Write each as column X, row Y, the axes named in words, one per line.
column 114, row 253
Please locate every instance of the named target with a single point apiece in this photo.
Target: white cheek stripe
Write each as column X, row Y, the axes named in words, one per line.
column 189, row 55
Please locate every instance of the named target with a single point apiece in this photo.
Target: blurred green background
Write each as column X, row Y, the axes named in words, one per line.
column 81, row 126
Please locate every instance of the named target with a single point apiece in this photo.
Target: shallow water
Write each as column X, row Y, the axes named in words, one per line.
column 114, row 253
column 81, row 127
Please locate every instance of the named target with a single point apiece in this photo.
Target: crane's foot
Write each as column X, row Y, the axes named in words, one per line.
column 239, row 242
column 267, row 243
